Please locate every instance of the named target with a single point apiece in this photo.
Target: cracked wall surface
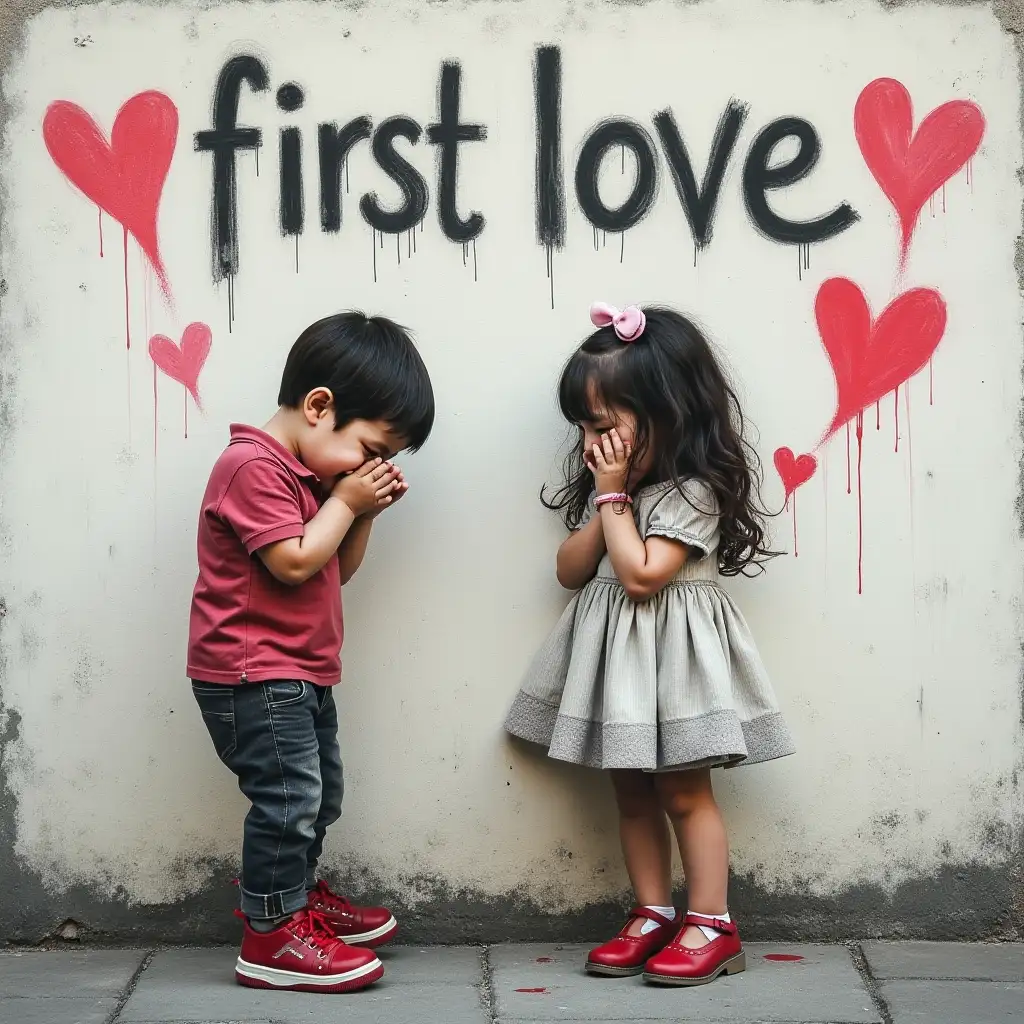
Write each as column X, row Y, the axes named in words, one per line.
column 901, row 813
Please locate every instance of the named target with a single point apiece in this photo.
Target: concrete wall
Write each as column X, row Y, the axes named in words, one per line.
column 901, row 813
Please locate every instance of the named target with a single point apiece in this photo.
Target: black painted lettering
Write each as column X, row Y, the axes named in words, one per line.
column 700, row 204
column 335, row 146
column 447, row 134
column 605, row 137
column 759, row 178
column 290, row 97
column 292, row 206
column 223, row 140
column 402, row 173
column 550, row 181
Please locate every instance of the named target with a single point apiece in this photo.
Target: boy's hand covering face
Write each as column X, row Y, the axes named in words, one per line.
column 369, row 488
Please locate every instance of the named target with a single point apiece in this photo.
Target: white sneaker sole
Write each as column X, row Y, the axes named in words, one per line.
column 272, row 977
column 372, row 936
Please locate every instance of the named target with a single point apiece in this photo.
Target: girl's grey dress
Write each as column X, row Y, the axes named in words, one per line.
column 671, row 683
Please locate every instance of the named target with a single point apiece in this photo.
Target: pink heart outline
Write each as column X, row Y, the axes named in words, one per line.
column 183, row 362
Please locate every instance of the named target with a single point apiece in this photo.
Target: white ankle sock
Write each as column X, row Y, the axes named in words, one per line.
column 711, row 933
column 649, row 925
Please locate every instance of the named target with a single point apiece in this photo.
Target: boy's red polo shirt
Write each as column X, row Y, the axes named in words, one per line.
column 246, row 626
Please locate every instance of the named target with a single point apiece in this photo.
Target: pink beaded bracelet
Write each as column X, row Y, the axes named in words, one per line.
column 606, row 499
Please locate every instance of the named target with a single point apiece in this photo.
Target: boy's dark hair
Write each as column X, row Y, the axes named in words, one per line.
column 371, row 367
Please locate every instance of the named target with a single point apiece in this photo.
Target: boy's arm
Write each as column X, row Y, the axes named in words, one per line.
column 368, row 490
column 295, row 560
column 353, row 548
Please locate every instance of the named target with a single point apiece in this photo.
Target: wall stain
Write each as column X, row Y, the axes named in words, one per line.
column 959, row 902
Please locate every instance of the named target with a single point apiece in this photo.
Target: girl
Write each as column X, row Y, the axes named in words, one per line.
column 652, row 672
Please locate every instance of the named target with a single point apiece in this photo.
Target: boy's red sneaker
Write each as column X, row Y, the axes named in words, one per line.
column 358, row 926
column 303, row 955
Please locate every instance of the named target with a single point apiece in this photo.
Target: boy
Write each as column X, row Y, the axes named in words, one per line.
column 284, row 524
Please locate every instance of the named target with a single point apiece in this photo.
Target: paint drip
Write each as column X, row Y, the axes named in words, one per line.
column 896, row 416
column 550, row 259
column 860, row 504
column 849, row 468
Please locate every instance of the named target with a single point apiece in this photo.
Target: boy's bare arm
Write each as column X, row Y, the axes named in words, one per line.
column 353, row 548
column 368, row 489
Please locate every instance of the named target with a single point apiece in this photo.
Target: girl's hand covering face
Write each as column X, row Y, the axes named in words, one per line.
column 609, row 461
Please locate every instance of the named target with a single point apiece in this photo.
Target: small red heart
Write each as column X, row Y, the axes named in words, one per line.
column 183, row 363
column 911, row 166
column 794, row 471
column 126, row 176
column 871, row 358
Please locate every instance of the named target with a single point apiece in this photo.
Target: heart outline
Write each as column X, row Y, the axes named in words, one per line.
column 870, row 357
column 794, row 471
column 183, row 362
column 124, row 176
column 910, row 166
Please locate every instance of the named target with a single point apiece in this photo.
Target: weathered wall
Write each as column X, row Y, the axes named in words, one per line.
column 901, row 814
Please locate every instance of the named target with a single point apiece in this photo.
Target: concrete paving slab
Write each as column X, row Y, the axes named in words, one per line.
column 198, row 985
column 79, row 973
column 979, row 961
column 954, row 1002
column 54, row 1010
column 546, row 982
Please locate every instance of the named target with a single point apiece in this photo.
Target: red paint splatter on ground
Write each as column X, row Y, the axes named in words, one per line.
column 545, row 959
column 532, row 991
column 783, row 958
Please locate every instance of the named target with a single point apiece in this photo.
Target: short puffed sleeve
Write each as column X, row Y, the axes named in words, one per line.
column 690, row 516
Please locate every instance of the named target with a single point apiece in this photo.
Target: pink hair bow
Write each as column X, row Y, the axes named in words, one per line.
column 629, row 323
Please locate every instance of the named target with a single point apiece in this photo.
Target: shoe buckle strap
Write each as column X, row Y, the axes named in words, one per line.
column 651, row 915
column 725, row 927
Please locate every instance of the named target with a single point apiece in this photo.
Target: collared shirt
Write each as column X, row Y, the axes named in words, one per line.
column 246, row 626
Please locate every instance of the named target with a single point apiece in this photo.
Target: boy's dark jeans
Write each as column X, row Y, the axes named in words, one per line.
column 281, row 740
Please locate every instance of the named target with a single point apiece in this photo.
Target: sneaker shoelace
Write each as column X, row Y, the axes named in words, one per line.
column 314, row 930
column 334, row 902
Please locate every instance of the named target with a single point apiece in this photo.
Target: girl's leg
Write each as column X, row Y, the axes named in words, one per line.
column 646, row 844
column 689, row 801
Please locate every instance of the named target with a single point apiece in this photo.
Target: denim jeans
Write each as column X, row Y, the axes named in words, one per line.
column 281, row 740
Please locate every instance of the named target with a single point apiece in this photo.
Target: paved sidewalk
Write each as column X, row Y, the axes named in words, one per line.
column 873, row 983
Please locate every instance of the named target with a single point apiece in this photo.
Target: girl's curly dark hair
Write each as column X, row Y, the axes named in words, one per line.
column 686, row 411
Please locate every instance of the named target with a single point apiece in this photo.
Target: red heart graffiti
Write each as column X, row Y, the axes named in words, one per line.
column 911, row 166
column 183, row 363
column 126, row 176
column 792, row 470
column 871, row 358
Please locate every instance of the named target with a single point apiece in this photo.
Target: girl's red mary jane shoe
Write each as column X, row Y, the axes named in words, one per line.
column 626, row 954
column 677, row 965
